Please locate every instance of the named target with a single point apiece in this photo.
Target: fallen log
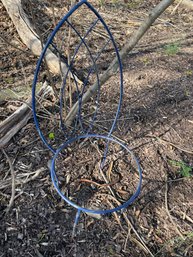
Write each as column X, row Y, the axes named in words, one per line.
column 10, row 126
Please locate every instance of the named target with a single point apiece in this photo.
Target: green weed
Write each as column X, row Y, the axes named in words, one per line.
column 177, row 244
column 51, row 136
column 9, row 80
column 188, row 72
column 172, row 49
column 133, row 4
column 145, row 60
column 186, row 92
column 184, row 169
column 115, row 1
column 101, row 3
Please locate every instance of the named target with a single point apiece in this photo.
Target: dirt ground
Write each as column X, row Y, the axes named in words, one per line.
column 155, row 122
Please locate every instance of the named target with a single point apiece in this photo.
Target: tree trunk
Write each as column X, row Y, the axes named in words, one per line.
column 30, row 38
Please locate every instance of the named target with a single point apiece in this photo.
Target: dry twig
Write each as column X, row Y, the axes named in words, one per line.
column 176, row 7
column 82, row 180
column 176, row 146
column 109, row 171
column 12, row 184
column 105, row 179
column 141, row 243
column 22, row 178
column 115, row 215
column 13, row 45
column 188, row 218
column 168, row 212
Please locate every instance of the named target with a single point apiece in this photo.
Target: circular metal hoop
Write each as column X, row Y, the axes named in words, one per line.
column 79, row 208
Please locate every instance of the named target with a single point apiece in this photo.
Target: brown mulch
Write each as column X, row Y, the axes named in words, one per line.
column 156, row 122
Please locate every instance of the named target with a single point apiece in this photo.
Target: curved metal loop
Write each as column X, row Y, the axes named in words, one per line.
column 80, row 94
column 109, row 139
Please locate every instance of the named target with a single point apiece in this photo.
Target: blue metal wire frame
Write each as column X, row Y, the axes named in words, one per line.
column 79, row 119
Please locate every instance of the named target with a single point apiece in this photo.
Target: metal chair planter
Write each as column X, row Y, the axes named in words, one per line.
column 81, row 132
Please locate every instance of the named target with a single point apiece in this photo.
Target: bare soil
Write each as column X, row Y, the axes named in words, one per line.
column 156, row 123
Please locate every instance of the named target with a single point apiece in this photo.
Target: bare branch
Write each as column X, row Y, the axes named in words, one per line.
column 11, row 202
